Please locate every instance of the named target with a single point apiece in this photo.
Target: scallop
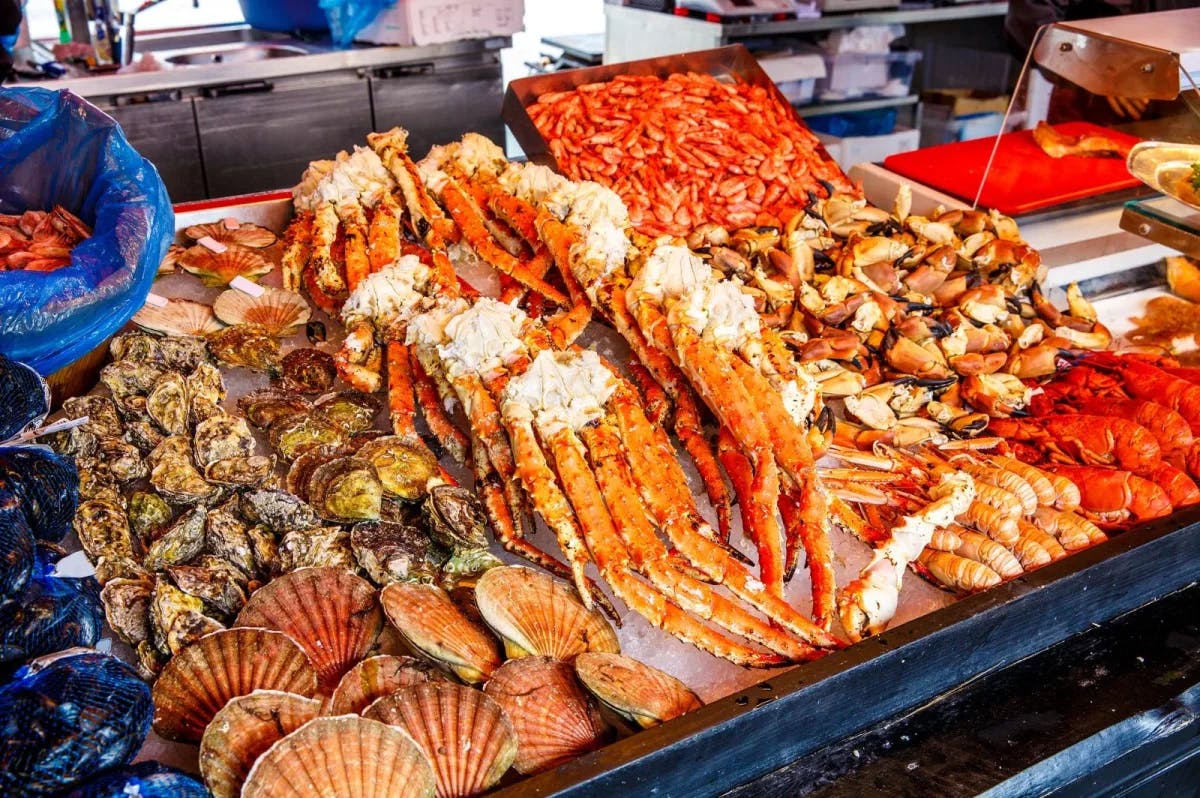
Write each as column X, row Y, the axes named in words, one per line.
column 555, row 719
column 231, row 231
column 331, row 613
column 343, row 756
column 178, row 317
column 202, row 678
column 466, row 734
column 644, row 695
column 279, row 312
column 536, row 614
column 436, row 627
column 219, row 268
column 376, row 677
column 245, row 728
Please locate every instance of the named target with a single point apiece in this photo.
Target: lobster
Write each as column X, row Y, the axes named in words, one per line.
column 1115, row 498
column 1090, row 440
column 1141, row 380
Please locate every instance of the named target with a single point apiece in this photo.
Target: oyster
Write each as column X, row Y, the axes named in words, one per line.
column 127, row 607
column 455, row 518
column 227, row 537
column 201, row 408
column 279, row 312
column 178, row 317
column 219, row 268
column 174, row 447
column 231, row 231
column 438, row 628
column 216, row 582
column 390, row 552
column 376, row 677
column 221, row 437
column 77, row 442
column 167, row 404
column 350, row 410
column 144, row 435
column 264, row 549
column 465, row 733
column 345, row 489
column 241, row 471
column 179, row 482
column 265, row 407
column 183, row 353
column 312, row 548
column 122, row 459
column 176, row 619
column 138, row 347
column 223, row 665
column 636, row 691
column 296, row 435
column 103, row 420
column 205, row 380
column 245, row 728
column 279, row 510
column 103, row 529
column 110, row 568
column 404, row 470
column 247, row 345
column 308, row 371
column 180, row 543
column 150, row 660
column 302, row 467
column 345, row 755
column 124, row 377
column 132, row 408
column 149, row 515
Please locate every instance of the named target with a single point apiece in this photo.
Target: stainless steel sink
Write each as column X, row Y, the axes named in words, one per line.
column 234, row 54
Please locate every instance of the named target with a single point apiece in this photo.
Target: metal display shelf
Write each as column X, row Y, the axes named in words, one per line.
column 851, row 106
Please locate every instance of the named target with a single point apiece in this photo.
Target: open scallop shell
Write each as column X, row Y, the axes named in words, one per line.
column 435, row 626
column 555, row 719
column 376, row 677
column 347, row 757
column 179, row 317
column 536, row 614
column 279, row 312
column 634, row 690
column 330, row 612
column 244, row 235
column 222, row 665
column 464, row 732
column 244, row 728
column 219, row 268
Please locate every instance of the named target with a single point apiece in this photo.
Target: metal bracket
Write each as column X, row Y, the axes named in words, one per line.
column 1177, row 232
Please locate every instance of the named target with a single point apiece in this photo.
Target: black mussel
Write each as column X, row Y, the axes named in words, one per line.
column 145, row 780
column 50, row 614
column 48, row 486
column 66, row 718
column 315, row 331
column 455, row 517
column 24, row 396
column 16, row 549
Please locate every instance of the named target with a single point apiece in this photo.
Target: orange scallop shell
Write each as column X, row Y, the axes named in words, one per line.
column 555, row 719
column 244, row 235
column 222, row 665
column 537, row 614
column 435, row 626
column 244, row 728
column 465, row 733
column 346, row 757
column 635, row 690
column 375, row 677
column 333, row 615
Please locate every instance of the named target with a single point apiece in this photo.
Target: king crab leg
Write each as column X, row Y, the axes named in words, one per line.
column 450, row 437
column 297, row 248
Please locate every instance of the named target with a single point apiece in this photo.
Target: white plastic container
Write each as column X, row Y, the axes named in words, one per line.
column 420, row 22
column 851, row 150
column 850, row 75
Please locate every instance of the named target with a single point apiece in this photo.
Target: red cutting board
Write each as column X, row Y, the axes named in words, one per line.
column 1023, row 178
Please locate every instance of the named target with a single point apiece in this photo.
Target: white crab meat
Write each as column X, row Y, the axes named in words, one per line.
column 483, row 339
column 390, row 296
column 560, row 390
column 358, row 177
column 530, row 181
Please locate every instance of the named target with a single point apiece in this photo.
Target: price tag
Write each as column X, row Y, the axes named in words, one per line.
column 231, row 223
column 212, row 244
column 156, row 301
column 246, row 286
column 49, row 429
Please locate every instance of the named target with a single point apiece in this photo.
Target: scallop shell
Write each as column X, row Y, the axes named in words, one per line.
column 244, row 728
column 464, row 732
column 244, row 235
column 223, row 665
column 179, row 317
column 554, row 717
column 536, row 614
column 376, row 677
column 330, row 612
column 347, row 757
column 643, row 694
column 435, row 626
column 278, row 311
column 217, row 269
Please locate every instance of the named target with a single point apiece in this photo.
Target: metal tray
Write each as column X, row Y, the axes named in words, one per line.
column 733, row 63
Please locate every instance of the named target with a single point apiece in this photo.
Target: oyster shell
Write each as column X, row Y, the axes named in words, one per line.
column 644, row 695
column 176, row 618
column 77, row 442
column 227, row 537
column 342, row 756
column 103, row 529
column 223, row 665
column 555, row 719
column 183, row 353
column 125, row 377
column 464, row 732
column 345, row 490
column 205, row 380
column 244, row 234
column 144, row 435
column 103, row 420
column 150, row 660
column 308, row 371
column 465, row 565
column 536, row 614
column 304, row 465
column 149, row 515
column 180, row 543
column 265, row 407
column 433, row 625
column 349, row 410
column 178, row 481
column 390, row 552
column 242, row 730
column 316, row 547
column 241, row 471
column 200, row 409
column 221, row 437
column 216, row 582
column 127, row 608
column 248, row 345
column 174, row 447
column 294, row 436
column 376, row 677
column 219, row 268
column 281, row 313
column 404, row 470
column 136, row 346
column 96, row 482
column 132, row 408
column 455, row 518
column 110, row 568
column 168, row 404
column 263, row 546
column 179, row 317
column 122, row 459
column 279, row 510
column 331, row 613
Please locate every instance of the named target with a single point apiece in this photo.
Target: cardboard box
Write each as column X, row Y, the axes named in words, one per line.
column 851, row 150
column 420, row 22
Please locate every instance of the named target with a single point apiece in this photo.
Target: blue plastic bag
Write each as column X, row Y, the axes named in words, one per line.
column 57, row 149
column 348, row 17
